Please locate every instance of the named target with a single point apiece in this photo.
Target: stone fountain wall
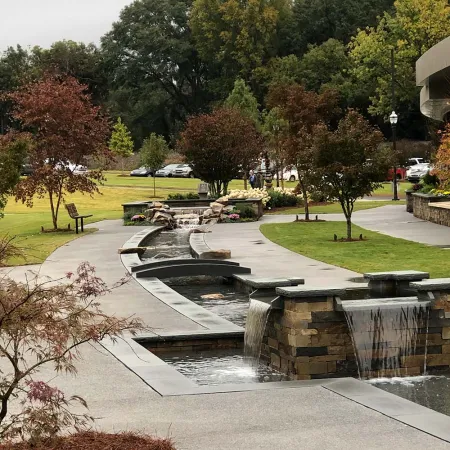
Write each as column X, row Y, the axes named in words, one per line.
column 309, row 337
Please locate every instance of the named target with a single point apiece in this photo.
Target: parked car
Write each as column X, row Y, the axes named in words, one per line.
column 142, row 172
column 184, row 171
column 415, row 173
column 415, row 161
column 400, row 171
column 290, row 174
column 167, row 171
column 26, row 170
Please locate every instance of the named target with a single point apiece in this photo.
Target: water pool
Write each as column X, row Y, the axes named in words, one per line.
column 213, row 367
column 430, row 391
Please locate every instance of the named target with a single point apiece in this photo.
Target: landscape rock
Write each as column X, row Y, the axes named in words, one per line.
column 129, row 251
column 208, row 214
column 217, row 208
column 157, row 205
column 216, row 254
column 213, row 297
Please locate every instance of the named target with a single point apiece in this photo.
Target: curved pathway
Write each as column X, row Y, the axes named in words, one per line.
column 284, row 419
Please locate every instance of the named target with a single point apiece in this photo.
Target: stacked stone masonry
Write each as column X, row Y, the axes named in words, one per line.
column 422, row 208
column 309, row 339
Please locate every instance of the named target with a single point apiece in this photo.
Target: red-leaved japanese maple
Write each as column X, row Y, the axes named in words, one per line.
column 44, row 322
column 67, row 131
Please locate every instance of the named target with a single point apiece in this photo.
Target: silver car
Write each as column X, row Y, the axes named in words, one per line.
column 184, row 171
column 415, row 173
column 167, row 171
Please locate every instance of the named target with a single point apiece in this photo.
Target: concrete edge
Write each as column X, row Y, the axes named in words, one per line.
column 392, row 406
column 198, row 245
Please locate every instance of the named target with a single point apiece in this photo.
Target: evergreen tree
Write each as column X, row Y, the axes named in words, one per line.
column 121, row 144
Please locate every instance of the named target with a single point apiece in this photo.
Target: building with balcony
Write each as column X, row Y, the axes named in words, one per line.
column 433, row 74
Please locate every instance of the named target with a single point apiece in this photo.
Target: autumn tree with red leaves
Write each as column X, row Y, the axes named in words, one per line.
column 67, row 131
column 442, row 162
column 219, row 145
column 303, row 110
column 44, row 322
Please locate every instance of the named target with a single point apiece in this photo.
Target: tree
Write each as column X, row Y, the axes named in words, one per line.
column 442, row 163
column 153, row 154
column 316, row 21
column 67, row 131
column 13, row 150
column 241, row 98
column 303, row 110
column 217, row 145
column 350, row 161
column 274, row 128
column 413, row 28
column 15, row 68
column 75, row 59
column 45, row 323
column 324, row 64
column 121, row 144
column 155, row 76
column 237, row 36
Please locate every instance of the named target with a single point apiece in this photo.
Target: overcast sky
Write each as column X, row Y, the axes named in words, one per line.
column 42, row 22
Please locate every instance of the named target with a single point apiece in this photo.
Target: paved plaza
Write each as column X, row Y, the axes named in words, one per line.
column 311, row 417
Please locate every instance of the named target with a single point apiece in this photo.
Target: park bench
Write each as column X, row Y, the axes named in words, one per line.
column 73, row 213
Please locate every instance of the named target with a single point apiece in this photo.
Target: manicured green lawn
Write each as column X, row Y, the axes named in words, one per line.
column 335, row 208
column 377, row 253
column 386, row 190
column 26, row 223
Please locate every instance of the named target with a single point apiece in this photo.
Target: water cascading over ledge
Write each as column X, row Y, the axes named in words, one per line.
column 309, row 336
column 387, row 334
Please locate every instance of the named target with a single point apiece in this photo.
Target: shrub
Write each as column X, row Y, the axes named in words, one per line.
column 96, row 441
column 246, row 211
column 431, row 180
column 427, row 188
column 280, row 199
column 179, row 196
column 246, row 194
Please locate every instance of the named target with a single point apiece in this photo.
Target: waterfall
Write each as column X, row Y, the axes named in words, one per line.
column 258, row 314
column 384, row 333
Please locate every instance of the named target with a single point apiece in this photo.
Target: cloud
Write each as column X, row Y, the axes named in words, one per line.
column 33, row 22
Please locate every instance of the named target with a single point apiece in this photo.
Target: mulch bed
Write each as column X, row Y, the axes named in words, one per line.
column 98, row 441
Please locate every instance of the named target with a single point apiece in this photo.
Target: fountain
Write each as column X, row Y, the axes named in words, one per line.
column 399, row 326
column 386, row 333
column 254, row 329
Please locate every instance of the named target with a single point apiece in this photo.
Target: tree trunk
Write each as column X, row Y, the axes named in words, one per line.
column 54, row 215
column 305, row 198
column 349, row 228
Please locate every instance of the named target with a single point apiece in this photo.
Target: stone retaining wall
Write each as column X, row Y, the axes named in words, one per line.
column 309, row 339
column 423, row 210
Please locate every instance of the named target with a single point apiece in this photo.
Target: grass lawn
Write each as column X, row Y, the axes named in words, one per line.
column 26, row 223
column 386, row 190
column 378, row 253
column 335, row 208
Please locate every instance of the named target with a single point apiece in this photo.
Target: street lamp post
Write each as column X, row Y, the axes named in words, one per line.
column 393, row 118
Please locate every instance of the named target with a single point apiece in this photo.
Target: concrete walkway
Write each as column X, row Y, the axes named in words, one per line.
column 286, row 419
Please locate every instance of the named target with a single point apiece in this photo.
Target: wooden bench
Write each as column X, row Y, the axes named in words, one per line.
column 73, row 213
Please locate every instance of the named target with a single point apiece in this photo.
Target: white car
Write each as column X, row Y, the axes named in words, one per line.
column 290, row 174
column 415, row 173
column 184, row 171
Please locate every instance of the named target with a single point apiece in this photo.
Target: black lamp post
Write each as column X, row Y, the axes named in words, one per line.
column 393, row 118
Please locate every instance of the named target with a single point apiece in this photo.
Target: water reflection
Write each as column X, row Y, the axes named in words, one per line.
column 220, row 367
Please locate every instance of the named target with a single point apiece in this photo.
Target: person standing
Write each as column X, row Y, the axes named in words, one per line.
column 252, row 179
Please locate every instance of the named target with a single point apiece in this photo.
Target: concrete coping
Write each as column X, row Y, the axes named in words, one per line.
column 309, row 291
column 136, row 203
column 400, row 275
column 431, row 196
column 267, row 283
column 434, row 284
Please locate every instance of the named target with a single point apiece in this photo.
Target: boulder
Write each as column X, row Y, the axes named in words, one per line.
column 165, row 219
column 217, row 208
column 213, row 297
column 149, row 213
column 211, row 221
column 216, row 254
column 157, row 205
column 208, row 214
column 228, row 208
column 129, row 251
